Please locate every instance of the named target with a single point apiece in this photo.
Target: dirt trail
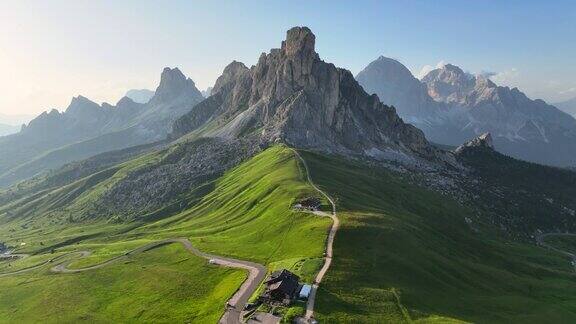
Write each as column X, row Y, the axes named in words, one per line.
column 236, row 303
column 329, row 243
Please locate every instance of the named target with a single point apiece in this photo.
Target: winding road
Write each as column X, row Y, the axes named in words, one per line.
column 329, row 243
column 236, row 303
column 540, row 240
column 256, row 272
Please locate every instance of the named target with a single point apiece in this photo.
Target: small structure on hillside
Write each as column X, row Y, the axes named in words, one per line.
column 281, row 288
column 310, row 203
column 305, row 292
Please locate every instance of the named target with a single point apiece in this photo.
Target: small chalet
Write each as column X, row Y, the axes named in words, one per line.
column 281, row 288
column 310, row 203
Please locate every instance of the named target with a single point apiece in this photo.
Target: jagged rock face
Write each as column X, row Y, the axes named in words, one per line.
column 174, row 85
column 483, row 141
column 449, row 84
column 527, row 129
column 292, row 96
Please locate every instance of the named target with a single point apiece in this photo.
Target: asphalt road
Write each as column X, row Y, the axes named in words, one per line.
column 308, row 317
column 235, row 305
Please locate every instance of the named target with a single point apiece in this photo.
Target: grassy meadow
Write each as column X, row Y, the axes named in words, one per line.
column 247, row 215
column 405, row 254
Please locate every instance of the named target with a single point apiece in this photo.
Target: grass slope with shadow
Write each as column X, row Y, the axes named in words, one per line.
column 405, row 254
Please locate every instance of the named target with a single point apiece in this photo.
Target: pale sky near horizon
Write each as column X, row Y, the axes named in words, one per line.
column 53, row 50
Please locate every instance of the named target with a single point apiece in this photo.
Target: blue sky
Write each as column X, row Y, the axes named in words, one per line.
column 51, row 51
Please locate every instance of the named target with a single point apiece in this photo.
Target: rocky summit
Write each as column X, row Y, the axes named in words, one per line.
column 294, row 97
column 483, row 141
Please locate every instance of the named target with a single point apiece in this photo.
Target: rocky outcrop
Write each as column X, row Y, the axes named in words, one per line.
column 294, row 97
column 483, row 141
column 449, row 84
column 183, row 170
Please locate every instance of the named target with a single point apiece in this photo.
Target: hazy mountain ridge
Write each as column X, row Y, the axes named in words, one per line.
column 460, row 106
column 6, row 129
column 86, row 128
column 568, row 106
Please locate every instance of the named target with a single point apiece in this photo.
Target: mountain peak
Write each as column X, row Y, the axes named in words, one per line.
column 395, row 85
column 173, row 83
column 292, row 96
column 483, row 141
column 171, row 77
column 299, row 41
column 125, row 101
column 452, row 67
column 82, row 106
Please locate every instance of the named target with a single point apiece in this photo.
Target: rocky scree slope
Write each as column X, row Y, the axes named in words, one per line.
column 294, row 97
column 516, row 198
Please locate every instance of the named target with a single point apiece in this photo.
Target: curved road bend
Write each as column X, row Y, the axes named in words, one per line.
column 39, row 265
column 236, row 303
column 329, row 243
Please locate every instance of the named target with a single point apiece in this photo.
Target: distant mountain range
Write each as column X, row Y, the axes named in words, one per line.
column 452, row 106
column 8, row 129
column 206, row 93
column 568, row 106
column 86, row 128
column 15, row 120
column 294, row 97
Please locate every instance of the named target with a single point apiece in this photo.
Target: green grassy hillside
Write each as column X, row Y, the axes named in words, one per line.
column 402, row 253
column 164, row 285
column 406, row 254
column 246, row 213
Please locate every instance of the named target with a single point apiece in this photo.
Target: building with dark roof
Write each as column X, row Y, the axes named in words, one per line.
column 310, row 203
column 281, row 288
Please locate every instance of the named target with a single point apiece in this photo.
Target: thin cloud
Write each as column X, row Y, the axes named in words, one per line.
column 507, row 77
column 428, row 68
